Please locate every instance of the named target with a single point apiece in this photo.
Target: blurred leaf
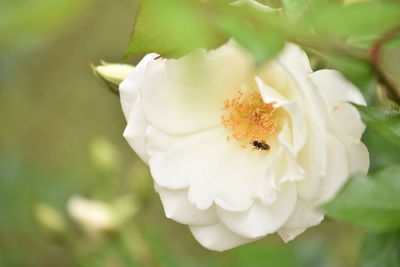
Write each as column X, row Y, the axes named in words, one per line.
column 172, row 28
column 364, row 18
column 381, row 153
column 309, row 252
column 20, row 23
column 385, row 123
column 256, row 255
column 381, row 250
column 159, row 249
column 294, row 9
column 261, row 45
column 370, row 200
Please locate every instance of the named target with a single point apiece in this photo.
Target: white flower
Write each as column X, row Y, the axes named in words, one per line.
column 237, row 152
column 95, row 217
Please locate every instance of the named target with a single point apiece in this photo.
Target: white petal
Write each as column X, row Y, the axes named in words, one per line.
column 217, row 171
column 335, row 88
column 346, row 125
column 288, row 234
column 345, row 122
column 186, row 95
column 313, row 158
column 285, row 166
column 304, row 215
column 177, row 207
column 294, row 111
column 337, row 169
column 295, row 62
column 298, row 127
column 261, row 220
column 129, row 88
column 217, row 237
column 358, row 157
column 269, row 94
column 135, row 130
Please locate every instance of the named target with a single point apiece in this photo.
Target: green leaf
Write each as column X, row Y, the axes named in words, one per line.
column 381, row 153
column 172, row 28
column 381, row 250
column 385, row 123
column 294, row 9
column 372, row 201
column 261, row 45
column 358, row 19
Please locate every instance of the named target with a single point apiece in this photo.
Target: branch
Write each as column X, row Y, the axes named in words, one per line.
column 375, row 55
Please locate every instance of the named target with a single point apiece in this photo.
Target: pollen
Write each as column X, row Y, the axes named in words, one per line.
column 249, row 119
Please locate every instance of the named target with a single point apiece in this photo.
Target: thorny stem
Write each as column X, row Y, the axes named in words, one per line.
column 375, row 54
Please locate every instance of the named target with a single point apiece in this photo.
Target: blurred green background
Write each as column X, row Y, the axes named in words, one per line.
column 61, row 136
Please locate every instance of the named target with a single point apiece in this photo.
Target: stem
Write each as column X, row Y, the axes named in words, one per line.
column 375, row 54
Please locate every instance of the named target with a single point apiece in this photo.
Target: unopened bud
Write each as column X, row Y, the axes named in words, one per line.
column 112, row 74
column 95, row 217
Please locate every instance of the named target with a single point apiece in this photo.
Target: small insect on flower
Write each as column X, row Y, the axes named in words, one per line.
column 260, row 145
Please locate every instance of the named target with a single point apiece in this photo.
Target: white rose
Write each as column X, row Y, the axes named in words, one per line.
column 237, row 152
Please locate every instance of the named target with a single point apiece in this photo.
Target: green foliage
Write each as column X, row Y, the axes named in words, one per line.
column 172, row 28
column 294, row 9
column 24, row 23
column 381, row 250
column 262, row 255
column 385, row 123
column 381, row 153
column 359, row 19
column 261, row 46
column 370, row 200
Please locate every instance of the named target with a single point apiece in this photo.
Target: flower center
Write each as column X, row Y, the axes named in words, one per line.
column 251, row 121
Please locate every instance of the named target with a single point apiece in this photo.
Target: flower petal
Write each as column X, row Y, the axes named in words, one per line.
column 177, row 207
column 296, row 63
column 129, row 88
column 208, row 163
column 337, row 169
column 295, row 112
column 186, row 95
column 335, row 88
column 135, row 130
column 345, row 122
column 217, row 237
column 313, row 159
column 304, row 215
column 261, row 220
column 358, row 157
column 288, row 234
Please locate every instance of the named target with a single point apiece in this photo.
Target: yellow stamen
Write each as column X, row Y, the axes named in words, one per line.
column 249, row 119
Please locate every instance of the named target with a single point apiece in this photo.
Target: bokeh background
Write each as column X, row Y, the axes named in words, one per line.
column 61, row 136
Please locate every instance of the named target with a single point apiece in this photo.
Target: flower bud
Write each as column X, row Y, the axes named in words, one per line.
column 95, row 217
column 112, row 74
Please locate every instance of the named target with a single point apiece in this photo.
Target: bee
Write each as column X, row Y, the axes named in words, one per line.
column 260, row 145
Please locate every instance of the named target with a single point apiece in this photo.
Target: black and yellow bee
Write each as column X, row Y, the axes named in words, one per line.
column 260, row 145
